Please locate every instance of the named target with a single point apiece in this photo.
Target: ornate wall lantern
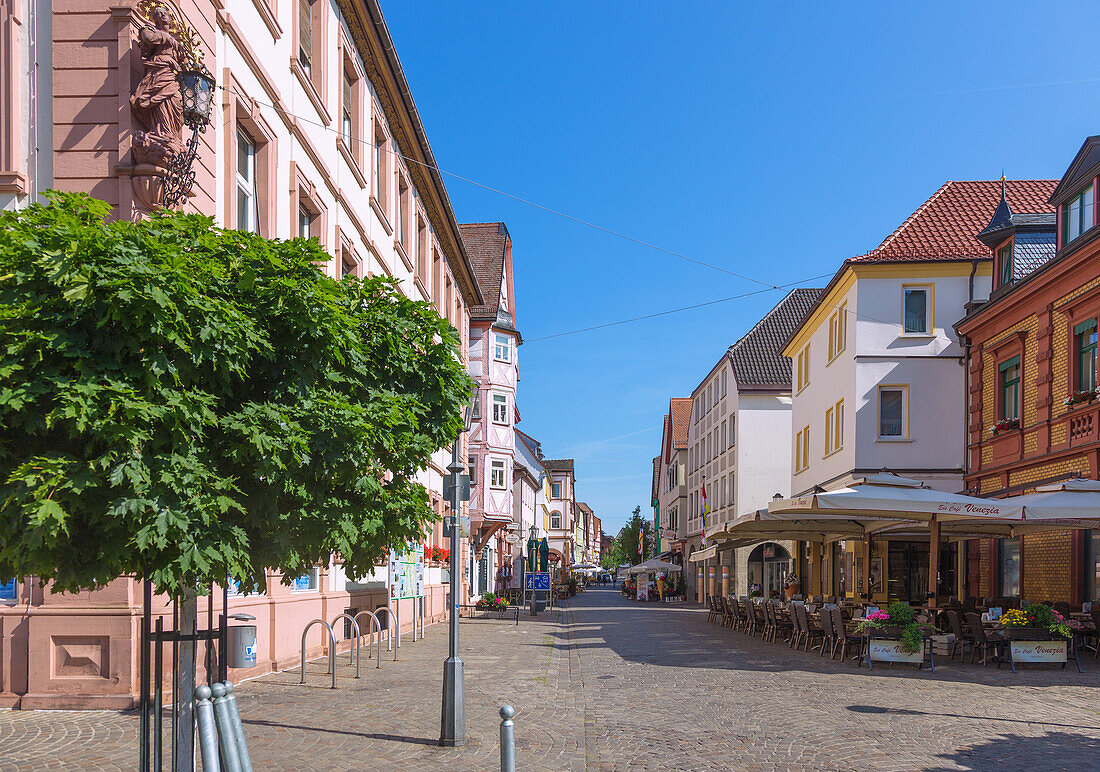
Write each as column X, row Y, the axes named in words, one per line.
column 197, row 93
column 175, row 90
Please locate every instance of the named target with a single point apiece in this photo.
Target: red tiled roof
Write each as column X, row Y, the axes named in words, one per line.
column 486, row 243
column 944, row 227
column 681, row 419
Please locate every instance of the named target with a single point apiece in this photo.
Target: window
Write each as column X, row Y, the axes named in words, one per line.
column 500, row 409
column 672, row 518
column 829, row 420
column 555, row 492
column 403, row 214
column 1092, row 566
column 347, row 112
column 1077, row 215
column 1010, row 568
column 502, row 348
column 1010, row 388
column 471, row 469
column 307, row 581
column 305, row 36
column 476, row 413
column 803, row 367
column 802, row 449
column 733, row 430
column 892, row 421
column 915, row 310
column 248, row 210
column 379, row 163
column 838, row 425
column 496, row 474
column 555, row 518
column 1084, row 341
column 1004, row 264
column 838, row 330
column 724, row 384
column 422, row 252
column 724, row 445
column 305, row 222
column 348, row 264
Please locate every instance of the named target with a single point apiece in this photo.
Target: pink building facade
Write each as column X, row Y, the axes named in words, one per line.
column 314, row 133
column 494, row 364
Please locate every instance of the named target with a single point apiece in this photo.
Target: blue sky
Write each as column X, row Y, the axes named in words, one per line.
column 771, row 140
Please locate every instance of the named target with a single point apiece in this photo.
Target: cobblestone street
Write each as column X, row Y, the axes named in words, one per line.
column 607, row 684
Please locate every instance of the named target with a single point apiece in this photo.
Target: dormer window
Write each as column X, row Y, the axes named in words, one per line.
column 1004, row 261
column 1077, row 214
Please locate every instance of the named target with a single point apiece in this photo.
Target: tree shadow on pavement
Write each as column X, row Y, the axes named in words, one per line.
column 907, row 712
column 1053, row 750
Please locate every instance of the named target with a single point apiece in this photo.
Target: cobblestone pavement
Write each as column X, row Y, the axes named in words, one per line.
column 611, row 685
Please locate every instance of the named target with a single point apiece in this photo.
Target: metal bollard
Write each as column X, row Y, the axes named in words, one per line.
column 507, row 740
column 228, row 742
column 238, row 729
column 208, row 734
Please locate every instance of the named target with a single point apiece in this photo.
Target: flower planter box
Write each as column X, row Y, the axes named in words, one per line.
column 882, row 649
column 1027, row 634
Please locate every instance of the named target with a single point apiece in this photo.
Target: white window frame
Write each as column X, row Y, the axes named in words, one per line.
column 500, row 405
column 904, row 436
column 247, row 184
column 496, row 466
column 471, row 469
column 502, row 348
column 554, row 513
column 555, row 489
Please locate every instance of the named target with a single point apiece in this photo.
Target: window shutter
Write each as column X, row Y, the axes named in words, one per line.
column 305, row 28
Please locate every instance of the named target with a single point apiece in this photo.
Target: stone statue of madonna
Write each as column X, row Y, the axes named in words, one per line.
column 156, row 104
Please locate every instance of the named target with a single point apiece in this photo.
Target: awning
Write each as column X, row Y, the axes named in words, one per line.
column 701, row 555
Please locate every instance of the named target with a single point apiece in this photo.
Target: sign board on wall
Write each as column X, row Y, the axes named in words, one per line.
column 886, row 650
column 405, row 577
column 1038, row 651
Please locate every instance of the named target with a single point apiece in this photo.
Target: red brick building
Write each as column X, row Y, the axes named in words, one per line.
column 1034, row 416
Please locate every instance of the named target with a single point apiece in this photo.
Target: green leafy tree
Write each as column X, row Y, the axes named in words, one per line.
column 185, row 403
column 626, row 543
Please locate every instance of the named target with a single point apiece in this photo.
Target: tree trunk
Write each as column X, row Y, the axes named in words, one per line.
column 185, row 685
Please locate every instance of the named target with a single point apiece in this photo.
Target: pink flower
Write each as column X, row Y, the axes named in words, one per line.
column 879, row 616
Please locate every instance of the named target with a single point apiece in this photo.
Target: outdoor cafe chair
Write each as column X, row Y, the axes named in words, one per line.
column 991, row 642
column 784, row 623
column 749, row 618
column 801, row 629
column 825, row 617
column 712, row 614
column 1095, row 632
column 842, row 637
column 809, row 629
column 769, row 621
column 734, row 614
column 724, row 607
column 962, row 637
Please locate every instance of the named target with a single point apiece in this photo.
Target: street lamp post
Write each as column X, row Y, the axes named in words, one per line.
column 452, row 729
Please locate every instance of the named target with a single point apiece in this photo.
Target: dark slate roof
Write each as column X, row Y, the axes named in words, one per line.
column 756, row 357
column 486, row 243
column 1083, row 168
column 1032, row 249
column 559, row 464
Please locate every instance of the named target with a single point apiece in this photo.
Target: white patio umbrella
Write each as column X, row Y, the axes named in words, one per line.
column 1069, row 504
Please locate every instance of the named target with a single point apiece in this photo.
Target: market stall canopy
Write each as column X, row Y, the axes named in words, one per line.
column 654, row 565
column 580, row 566
column 881, row 500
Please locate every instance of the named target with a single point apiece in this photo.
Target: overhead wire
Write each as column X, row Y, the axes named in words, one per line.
column 766, row 286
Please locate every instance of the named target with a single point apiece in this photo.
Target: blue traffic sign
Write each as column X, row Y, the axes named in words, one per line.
column 540, row 580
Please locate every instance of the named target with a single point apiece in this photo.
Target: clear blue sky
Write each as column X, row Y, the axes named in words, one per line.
column 772, row 140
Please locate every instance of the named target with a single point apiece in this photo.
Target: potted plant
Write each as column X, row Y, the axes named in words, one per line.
column 1037, row 622
column 1004, row 425
column 897, row 621
column 490, row 601
column 1077, row 397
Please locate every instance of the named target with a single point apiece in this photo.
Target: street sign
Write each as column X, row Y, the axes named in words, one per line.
column 539, row 580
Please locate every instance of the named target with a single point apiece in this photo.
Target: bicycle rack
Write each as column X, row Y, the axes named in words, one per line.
column 357, row 655
column 376, row 625
column 331, row 650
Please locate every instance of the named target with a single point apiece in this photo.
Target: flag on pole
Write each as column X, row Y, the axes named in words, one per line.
column 704, row 509
column 641, row 541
